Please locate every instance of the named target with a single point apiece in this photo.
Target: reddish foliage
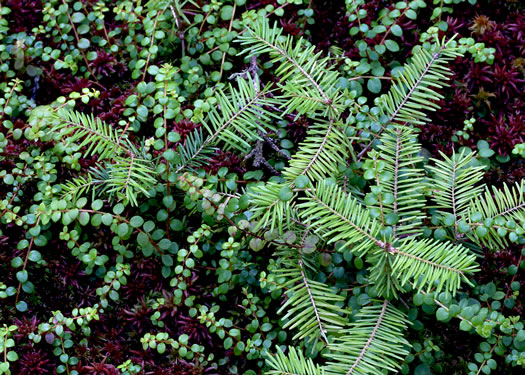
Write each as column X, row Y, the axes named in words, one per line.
column 225, row 159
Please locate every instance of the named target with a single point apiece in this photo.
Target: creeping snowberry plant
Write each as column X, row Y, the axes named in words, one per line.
column 237, row 205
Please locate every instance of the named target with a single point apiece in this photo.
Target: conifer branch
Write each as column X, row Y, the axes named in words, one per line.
column 370, row 339
column 322, row 331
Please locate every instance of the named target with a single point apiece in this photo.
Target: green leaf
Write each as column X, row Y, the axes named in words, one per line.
column 422, row 369
column 9, row 179
column 97, row 205
column 301, row 182
column 84, row 29
column 169, row 155
column 256, row 244
column 35, row 256
column 167, row 260
column 486, row 152
column 21, row 306
column 391, row 218
column 396, row 30
column 122, row 229
column 440, row 234
column 380, row 48
column 83, row 43
column 83, row 218
column 78, row 17
column 481, row 231
column 12, row 356
column 143, row 239
column 113, row 295
column 81, row 202
column 374, row 85
column 107, row 219
column 118, row 209
column 465, row 325
column 285, row 194
column 174, row 137
column 136, row 221
column 17, row 262
column 391, row 45
column 226, row 12
column 463, row 226
column 22, row 276
column 442, row 314
column 228, row 343
column 142, row 112
column 449, row 220
column 411, row 14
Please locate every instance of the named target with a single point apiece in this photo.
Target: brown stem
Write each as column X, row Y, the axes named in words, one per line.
column 180, row 30
column 229, row 30
column 491, row 350
column 394, row 23
column 25, row 262
column 167, row 164
column 151, row 44
column 379, row 197
column 370, row 339
column 78, row 41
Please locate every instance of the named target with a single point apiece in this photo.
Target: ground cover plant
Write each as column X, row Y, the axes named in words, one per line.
column 261, row 187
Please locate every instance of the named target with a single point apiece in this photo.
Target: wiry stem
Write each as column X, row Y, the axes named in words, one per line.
column 511, row 209
column 128, row 178
column 435, row 56
column 392, row 250
column 320, row 148
column 380, row 196
column 453, row 199
column 396, row 177
column 356, row 227
column 491, row 350
column 370, row 339
column 151, row 45
column 180, row 30
column 312, row 301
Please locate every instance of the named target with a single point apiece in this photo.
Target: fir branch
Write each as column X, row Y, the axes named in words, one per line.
column 453, row 183
column 322, row 331
column 292, row 364
column 194, row 152
column 312, row 307
column 370, row 339
column 500, row 212
column 413, row 90
column 309, row 80
column 395, row 189
column 100, row 138
column 372, row 344
column 326, row 208
column 279, row 51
